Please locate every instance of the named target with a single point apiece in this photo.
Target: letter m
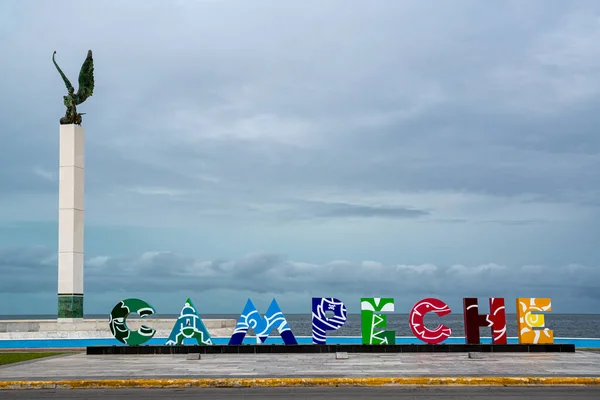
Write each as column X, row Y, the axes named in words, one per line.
column 262, row 326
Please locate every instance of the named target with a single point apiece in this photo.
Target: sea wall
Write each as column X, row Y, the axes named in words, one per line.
column 97, row 328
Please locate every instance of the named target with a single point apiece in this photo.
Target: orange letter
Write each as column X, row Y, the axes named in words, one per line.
column 527, row 320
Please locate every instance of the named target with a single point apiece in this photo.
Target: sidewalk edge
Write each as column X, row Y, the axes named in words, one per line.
column 283, row 382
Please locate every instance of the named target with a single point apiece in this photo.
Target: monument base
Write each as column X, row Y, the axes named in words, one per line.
column 70, row 307
column 313, row 348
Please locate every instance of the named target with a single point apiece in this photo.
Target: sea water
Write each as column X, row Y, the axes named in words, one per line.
column 563, row 325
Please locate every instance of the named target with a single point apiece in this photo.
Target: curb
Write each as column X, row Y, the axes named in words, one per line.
column 298, row 382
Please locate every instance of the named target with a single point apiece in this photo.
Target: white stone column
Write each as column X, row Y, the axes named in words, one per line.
column 70, row 222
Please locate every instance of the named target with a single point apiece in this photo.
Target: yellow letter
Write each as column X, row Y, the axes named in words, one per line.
column 527, row 320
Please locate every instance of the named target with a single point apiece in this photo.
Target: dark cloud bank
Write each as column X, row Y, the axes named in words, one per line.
column 27, row 271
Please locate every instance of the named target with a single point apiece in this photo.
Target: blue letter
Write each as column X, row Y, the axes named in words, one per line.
column 320, row 323
column 250, row 318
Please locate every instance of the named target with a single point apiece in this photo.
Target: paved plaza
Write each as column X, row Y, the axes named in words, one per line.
column 81, row 366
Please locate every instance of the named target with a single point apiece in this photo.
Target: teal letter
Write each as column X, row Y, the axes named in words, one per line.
column 189, row 325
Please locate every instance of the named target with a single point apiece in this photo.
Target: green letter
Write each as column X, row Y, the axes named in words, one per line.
column 118, row 325
column 373, row 323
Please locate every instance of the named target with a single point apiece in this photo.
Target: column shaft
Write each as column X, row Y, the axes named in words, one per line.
column 70, row 222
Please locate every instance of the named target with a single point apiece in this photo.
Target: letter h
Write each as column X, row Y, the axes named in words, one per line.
column 496, row 320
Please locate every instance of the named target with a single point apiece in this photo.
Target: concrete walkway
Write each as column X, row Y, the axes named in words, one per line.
column 80, row 366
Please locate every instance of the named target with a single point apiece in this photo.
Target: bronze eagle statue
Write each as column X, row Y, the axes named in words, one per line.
column 85, row 90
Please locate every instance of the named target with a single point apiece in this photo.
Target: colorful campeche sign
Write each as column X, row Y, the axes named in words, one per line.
column 189, row 325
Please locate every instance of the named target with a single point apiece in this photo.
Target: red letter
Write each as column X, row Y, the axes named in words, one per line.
column 496, row 319
column 439, row 334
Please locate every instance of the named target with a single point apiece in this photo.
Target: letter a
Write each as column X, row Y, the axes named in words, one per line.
column 189, row 325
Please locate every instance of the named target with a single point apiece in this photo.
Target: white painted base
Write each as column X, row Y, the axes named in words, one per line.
column 69, row 321
column 97, row 328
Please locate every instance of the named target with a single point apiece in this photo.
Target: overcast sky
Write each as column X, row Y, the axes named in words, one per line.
column 255, row 149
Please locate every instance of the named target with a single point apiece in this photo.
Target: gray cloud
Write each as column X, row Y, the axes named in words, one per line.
column 350, row 210
column 323, row 103
column 316, row 209
column 28, row 271
column 388, row 131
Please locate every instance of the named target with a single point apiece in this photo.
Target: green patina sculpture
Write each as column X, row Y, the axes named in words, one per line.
column 85, row 90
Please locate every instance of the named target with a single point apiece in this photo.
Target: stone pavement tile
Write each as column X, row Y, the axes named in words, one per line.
column 364, row 364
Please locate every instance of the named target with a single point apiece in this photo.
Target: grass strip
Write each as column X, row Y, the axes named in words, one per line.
column 9, row 358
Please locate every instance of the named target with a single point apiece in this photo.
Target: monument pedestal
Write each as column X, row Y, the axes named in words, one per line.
column 70, row 223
